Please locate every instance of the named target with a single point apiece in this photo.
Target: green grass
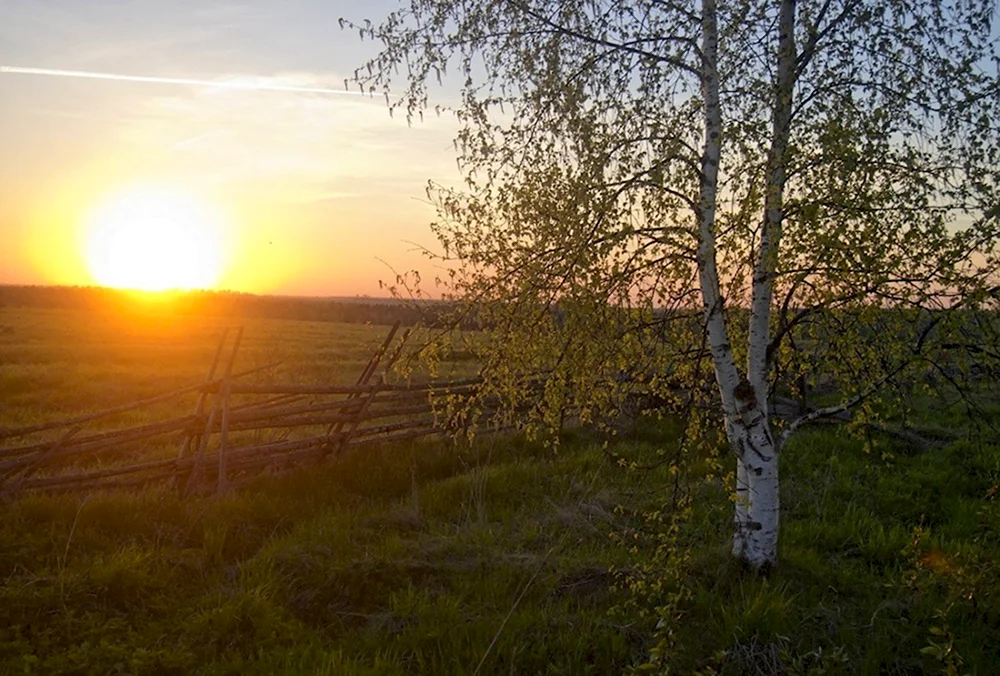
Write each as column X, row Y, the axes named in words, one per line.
column 880, row 560
column 398, row 560
column 409, row 560
column 55, row 363
column 507, row 557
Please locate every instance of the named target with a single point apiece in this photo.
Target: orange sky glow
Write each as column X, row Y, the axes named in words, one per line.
column 241, row 169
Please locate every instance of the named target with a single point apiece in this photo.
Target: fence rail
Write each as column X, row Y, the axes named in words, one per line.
column 226, row 439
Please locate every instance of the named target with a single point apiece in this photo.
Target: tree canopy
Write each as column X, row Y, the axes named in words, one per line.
column 717, row 201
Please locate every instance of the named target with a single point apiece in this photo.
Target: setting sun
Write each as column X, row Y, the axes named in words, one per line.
column 155, row 239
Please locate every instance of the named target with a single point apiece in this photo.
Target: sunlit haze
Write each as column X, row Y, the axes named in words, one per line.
column 187, row 144
column 153, row 240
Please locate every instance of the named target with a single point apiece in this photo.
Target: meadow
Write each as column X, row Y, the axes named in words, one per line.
column 58, row 362
column 504, row 556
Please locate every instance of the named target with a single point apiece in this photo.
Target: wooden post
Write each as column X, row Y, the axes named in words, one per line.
column 358, row 417
column 363, row 409
column 366, row 375
column 194, row 475
column 194, row 478
column 193, row 439
column 227, row 390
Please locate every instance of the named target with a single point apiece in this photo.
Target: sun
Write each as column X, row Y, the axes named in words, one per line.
column 155, row 239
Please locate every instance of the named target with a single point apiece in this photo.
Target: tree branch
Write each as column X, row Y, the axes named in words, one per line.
column 630, row 48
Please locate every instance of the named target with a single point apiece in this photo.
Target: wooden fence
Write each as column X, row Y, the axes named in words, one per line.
column 221, row 440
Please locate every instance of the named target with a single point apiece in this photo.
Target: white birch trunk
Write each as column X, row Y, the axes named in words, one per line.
column 756, row 538
column 742, row 517
column 726, row 373
column 741, row 433
column 744, row 400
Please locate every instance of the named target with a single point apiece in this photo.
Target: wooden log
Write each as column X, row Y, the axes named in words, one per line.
column 305, row 420
column 363, row 410
column 89, row 417
column 96, row 443
column 369, row 415
column 267, row 403
column 393, row 427
column 104, row 440
column 353, row 424
column 310, row 449
column 241, row 459
column 368, row 401
column 318, row 452
column 66, row 479
column 107, row 440
column 295, row 389
column 194, row 477
column 379, row 353
column 248, row 415
column 403, row 435
column 395, row 354
column 35, row 464
column 367, row 373
column 243, row 413
column 314, row 451
column 280, row 449
column 277, row 389
column 178, row 464
column 275, row 447
column 105, row 485
column 196, row 468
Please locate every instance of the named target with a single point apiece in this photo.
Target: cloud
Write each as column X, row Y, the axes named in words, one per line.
column 242, row 82
column 308, row 145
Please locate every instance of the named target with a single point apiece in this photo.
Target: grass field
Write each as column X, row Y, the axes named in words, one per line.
column 59, row 362
column 506, row 557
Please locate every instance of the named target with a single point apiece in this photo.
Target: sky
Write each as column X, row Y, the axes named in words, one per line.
column 315, row 193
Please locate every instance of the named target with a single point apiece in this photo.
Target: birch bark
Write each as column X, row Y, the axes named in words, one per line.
column 762, row 466
column 744, row 402
column 726, row 373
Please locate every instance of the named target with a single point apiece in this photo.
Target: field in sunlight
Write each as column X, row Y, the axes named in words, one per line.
column 54, row 363
column 501, row 557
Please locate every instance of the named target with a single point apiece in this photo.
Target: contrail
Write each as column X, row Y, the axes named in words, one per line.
column 254, row 86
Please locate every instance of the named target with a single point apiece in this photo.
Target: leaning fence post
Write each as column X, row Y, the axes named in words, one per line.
column 194, row 478
column 192, row 439
column 359, row 416
column 227, row 391
column 379, row 381
column 363, row 379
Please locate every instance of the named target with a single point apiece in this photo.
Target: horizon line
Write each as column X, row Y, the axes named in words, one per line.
column 273, row 294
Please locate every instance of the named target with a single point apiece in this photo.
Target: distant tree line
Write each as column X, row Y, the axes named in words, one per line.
column 360, row 310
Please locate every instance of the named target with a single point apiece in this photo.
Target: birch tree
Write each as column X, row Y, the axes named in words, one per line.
column 747, row 193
